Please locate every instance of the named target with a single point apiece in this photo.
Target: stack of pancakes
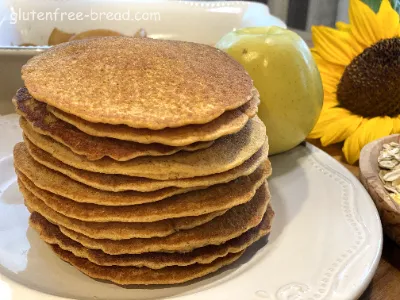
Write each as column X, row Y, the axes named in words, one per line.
column 143, row 161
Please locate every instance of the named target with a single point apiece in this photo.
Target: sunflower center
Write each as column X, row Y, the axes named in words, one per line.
column 370, row 84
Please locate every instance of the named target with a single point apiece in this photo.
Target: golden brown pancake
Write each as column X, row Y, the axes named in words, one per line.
column 96, row 33
column 215, row 198
column 51, row 234
column 118, row 183
column 225, row 154
column 228, row 123
column 115, row 230
column 58, row 36
column 230, row 225
column 143, row 83
column 40, row 120
column 134, row 275
column 55, row 182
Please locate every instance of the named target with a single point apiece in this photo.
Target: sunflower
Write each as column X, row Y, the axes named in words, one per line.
column 360, row 70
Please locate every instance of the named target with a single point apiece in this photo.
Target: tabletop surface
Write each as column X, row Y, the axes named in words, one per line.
column 386, row 283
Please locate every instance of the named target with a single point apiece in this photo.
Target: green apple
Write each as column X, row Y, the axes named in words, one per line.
column 285, row 74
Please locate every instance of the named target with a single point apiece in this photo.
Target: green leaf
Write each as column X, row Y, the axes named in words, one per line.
column 396, row 5
column 375, row 4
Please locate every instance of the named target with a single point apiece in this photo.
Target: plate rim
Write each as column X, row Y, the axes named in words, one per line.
column 378, row 254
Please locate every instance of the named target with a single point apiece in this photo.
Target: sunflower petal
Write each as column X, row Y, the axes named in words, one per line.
column 356, row 46
column 351, row 148
column 332, row 45
column 333, row 114
column 370, row 130
column 328, row 115
column 376, row 128
column 315, row 134
column 343, row 26
column 388, row 19
column 326, row 67
column 364, row 23
column 330, row 101
column 329, row 83
column 396, row 125
column 340, row 130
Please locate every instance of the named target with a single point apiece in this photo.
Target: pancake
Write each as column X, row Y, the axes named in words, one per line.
column 228, row 123
column 225, row 154
column 51, row 234
column 55, row 182
column 142, row 83
column 134, row 275
column 118, row 183
column 115, row 230
column 196, row 203
column 230, row 225
column 93, row 148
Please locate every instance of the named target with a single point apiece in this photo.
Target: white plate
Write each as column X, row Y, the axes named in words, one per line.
column 325, row 243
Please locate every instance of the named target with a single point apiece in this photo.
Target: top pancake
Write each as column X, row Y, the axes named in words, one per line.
column 142, row 83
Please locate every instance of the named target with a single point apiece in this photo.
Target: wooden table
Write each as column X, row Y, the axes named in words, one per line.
column 386, row 283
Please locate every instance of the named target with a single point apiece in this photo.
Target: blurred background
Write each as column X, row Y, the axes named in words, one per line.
column 298, row 15
column 302, row 14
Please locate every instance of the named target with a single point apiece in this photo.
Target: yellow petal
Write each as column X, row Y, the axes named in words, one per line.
column 330, row 83
column 326, row 67
column 315, row 134
column 330, row 101
column 340, row 130
column 396, row 125
column 369, row 130
column 332, row 45
column 333, row 114
column 388, row 19
column 351, row 148
column 357, row 47
column 364, row 23
column 328, row 115
column 376, row 128
column 343, row 26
